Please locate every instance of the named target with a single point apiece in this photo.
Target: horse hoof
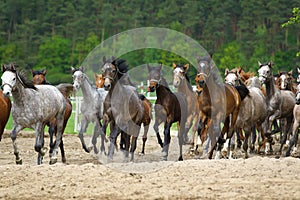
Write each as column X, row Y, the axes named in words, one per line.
column 141, row 154
column 53, row 161
column 180, row 158
column 96, row 151
column 64, row 160
column 43, row 151
column 19, row 162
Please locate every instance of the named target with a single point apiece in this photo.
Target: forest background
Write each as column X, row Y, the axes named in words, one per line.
column 54, row 35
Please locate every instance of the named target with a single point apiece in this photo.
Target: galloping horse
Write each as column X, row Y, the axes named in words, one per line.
column 99, row 81
column 253, row 109
column 217, row 102
column 169, row 108
column 123, row 106
column 91, row 108
column 32, row 108
column 5, row 106
column 39, row 78
column 182, row 83
column 280, row 103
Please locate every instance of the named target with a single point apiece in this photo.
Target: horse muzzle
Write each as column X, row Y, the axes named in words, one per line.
column 151, row 88
column 201, row 83
column 107, row 86
column 6, row 90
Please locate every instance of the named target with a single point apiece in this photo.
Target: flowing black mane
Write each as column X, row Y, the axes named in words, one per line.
column 121, row 65
column 24, row 81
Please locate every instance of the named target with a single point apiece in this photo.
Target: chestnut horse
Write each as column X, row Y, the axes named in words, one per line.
column 5, row 107
column 218, row 102
column 99, row 81
column 169, row 108
column 39, row 78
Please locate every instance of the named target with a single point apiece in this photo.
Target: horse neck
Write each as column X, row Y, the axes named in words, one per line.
column 87, row 89
column 19, row 93
column 270, row 87
column 163, row 89
column 183, row 87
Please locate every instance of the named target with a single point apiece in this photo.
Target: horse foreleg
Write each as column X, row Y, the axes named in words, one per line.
column 13, row 136
column 97, row 132
column 181, row 132
column 39, row 142
column 167, row 139
column 51, row 131
column 113, row 137
column 133, row 147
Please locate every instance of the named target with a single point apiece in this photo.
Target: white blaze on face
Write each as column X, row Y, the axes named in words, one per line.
column 76, row 79
column 264, row 73
column 231, row 78
column 178, row 75
column 8, row 81
column 283, row 81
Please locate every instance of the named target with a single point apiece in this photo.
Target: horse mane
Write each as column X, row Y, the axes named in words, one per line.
column 121, row 65
column 165, row 84
column 242, row 90
column 24, row 81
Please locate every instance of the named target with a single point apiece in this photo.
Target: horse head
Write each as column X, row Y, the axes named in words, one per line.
column 179, row 74
column 99, row 80
column 203, row 70
column 109, row 73
column 39, row 76
column 232, row 77
column 9, row 79
column 265, row 72
column 154, row 77
column 78, row 77
column 298, row 95
column 284, row 80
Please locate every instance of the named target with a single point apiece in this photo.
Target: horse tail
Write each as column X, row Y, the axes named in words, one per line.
column 66, row 89
column 242, row 90
column 147, row 103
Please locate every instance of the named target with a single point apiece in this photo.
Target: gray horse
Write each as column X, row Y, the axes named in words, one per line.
column 280, row 104
column 91, row 108
column 33, row 107
column 253, row 109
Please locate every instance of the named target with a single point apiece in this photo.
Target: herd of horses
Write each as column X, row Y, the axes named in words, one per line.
column 243, row 108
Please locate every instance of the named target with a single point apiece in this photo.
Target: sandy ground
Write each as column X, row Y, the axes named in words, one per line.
column 89, row 176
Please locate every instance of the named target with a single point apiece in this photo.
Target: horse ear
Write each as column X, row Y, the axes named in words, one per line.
column 239, row 70
column 186, row 67
column 113, row 58
column 259, row 64
column 81, row 68
column 160, row 67
column 298, row 70
column 149, row 67
column 198, row 59
column 73, row 69
column 279, row 72
column 270, row 64
column 44, row 72
column 13, row 67
column 174, row 65
column 226, row 71
column 290, row 72
column 3, row 68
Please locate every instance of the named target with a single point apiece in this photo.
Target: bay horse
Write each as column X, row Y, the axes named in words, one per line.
column 181, row 81
column 5, row 107
column 295, row 129
column 169, row 108
column 285, row 81
column 39, row 78
column 99, row 81
column 32, row 108
column 280, row 104
column 91, row 108
column 123, row 108
column 218, row 102
column 253, row 109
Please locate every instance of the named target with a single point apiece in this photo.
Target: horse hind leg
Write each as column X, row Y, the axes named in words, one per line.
column 156, row 129
column 60, row 122
column 146, row 129
column 13, row 136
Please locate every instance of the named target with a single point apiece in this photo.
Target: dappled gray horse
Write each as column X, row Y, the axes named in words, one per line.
column 91, row 108
column 33, row 107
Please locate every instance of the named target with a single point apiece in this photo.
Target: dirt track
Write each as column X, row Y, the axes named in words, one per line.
column 83, row 177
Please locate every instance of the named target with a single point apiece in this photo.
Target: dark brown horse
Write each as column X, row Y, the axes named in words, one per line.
column 39, row 78
column 218, row 103
column 99, row 81
column 169, row 108
column 5, row 106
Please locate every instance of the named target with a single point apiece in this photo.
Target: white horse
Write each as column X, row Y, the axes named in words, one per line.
column 91, row 108
column 33, row 107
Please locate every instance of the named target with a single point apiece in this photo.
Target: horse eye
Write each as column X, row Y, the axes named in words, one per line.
column 14, row 79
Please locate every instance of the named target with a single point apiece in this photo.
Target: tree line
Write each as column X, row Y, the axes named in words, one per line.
column 59, row 34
